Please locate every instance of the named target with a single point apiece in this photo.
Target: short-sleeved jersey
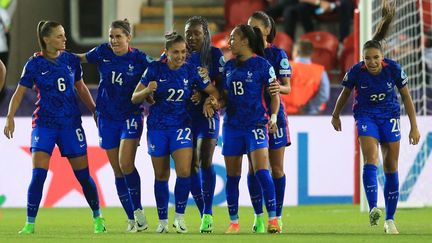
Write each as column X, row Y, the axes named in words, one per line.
column 119, row 75
column 375, row 95
column 279, row 60
column 172, row 94
column 215, row 70
column 246, row 85
column 54, row 81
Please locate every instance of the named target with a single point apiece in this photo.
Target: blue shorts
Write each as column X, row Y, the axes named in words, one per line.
column 111, row 132
column 385, row 130
column 203, row 127
column 282, row 137
column 236, row 142
column 71, row 142
column 165, row 142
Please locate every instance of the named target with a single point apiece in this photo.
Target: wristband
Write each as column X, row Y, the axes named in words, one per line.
column 273, row 118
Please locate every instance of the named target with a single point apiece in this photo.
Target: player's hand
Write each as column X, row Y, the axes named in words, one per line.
column 208, row 111
column 9, row 128
column 210, row 105
column 273, row 123
column 274, row 88
column 414, row 136
column 203, row 73
column 336, row 122
column 213, row 102
column 272, row 127
column 196, row 97
column 149, row 99
column 152, row 86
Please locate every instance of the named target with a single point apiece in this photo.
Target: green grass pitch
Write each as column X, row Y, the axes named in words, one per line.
column 323, row 223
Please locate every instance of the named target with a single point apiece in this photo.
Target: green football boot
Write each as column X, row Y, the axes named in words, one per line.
column 99, row 225
column 27, row 229
column 206, row 224
column 259, row 225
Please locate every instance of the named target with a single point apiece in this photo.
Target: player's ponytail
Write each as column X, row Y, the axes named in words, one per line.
column 268, row 22
column 44, row 28
column 388, row 11
column 259, row 42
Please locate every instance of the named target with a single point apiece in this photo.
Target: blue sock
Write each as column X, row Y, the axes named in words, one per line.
column 391, row 194
column 279, row 184
column 133, row 182
column 370, row 184
column 34, row 193
column 123, row 194
column 161, row 192
column 232, row 196
column 255, row 193
column 181, row 193
column 196, row 191
column 89, row 189
column 268, row 190
column 208, row 188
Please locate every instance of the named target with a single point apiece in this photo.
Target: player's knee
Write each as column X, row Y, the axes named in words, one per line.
column 277, row 172
column 162, row 175
column 390, row 167
column 118, row 173
column 127, row 167
column 183, row 172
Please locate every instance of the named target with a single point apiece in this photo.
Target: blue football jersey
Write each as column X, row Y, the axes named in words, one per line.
column 246, row 85
column 172, row 94
column 375, row 95
column 119, row 75
column 215, row 70
column 54, row 81
column 279, row 60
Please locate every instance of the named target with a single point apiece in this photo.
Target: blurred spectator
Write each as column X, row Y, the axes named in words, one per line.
column 303, row 10
column 310, row 85
column 4, row 23
column 2, row 81
column 7, row 9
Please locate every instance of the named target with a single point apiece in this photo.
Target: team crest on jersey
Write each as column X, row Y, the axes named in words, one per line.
column 364, row 128
column 36, row 139
column 131, row 69
column 284, row 63
column 389, row 85
column 185, row 82
column 249, row 76
column 152, row 147
column 69, row 68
